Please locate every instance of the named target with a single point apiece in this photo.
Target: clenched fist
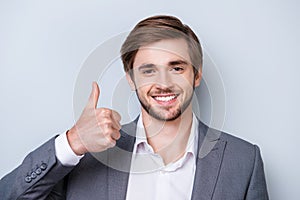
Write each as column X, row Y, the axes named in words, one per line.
column 97, row 129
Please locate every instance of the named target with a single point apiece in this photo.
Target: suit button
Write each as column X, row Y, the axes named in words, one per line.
column 28, row 179
column 43, row 166
column 38, row 171
column 33, row 175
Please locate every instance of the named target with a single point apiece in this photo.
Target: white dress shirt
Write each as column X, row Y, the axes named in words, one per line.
column 64, row 152
column 151, row 179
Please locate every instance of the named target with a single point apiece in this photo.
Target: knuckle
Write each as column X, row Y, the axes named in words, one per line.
column 106, row 111
column 107, row 131
column 110, row 122
column 107, row 121
column 116, row 115
column 100, row 111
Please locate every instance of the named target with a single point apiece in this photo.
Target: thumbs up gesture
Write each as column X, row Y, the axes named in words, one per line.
column 97, row 129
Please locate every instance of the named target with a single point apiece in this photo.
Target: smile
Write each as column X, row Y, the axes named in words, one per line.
column 165, row 98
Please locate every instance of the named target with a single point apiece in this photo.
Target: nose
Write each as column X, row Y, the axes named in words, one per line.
column 164, row 79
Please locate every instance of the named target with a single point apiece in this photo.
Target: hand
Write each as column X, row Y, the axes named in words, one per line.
column 97, row 129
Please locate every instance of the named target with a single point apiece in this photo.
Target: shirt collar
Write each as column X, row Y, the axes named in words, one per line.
column 141, row 143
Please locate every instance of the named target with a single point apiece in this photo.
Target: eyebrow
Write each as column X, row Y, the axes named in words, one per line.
column 171, row 63
column 177, row 62
column 145, row 66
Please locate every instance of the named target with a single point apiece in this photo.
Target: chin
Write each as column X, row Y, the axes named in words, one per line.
column 165, row 117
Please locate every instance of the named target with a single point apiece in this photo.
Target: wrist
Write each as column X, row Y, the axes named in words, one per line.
column 75, row 142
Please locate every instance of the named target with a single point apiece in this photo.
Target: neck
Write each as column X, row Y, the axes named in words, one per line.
column 168, row 138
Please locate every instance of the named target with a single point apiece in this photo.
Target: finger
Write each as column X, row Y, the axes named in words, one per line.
column 94, row 96
column 116, row 119
column 116, row 135
column 116, row 125
column 111, row 132
column 116, row 115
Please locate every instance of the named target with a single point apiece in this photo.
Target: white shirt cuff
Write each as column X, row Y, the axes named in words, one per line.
column 63, row 151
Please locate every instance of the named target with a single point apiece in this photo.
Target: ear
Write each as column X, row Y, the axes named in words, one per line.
column 198, row 77
column 130, row 82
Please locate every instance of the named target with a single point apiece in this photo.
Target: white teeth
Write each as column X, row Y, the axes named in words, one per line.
column 166, row 98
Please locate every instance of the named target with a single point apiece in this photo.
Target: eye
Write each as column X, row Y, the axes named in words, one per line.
column 177, row 69
column 148, row 71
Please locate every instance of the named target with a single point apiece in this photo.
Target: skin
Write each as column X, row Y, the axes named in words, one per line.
column 97, row 129
column 164, row 81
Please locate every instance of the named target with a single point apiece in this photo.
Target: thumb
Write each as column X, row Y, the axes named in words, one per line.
column 94, row 96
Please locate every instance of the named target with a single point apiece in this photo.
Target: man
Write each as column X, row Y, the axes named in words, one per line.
column 166, row 153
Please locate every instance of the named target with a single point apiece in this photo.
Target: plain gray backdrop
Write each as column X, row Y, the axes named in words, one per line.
column 254, row 44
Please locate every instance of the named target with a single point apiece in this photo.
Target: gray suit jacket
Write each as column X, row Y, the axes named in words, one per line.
column 227, row 168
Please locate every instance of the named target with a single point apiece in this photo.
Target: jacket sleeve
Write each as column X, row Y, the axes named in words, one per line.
column 257, row 187
column 39, row 175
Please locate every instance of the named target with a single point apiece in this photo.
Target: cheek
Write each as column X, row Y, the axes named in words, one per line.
column 143, row 90
column 185, row 82
column 143, row 83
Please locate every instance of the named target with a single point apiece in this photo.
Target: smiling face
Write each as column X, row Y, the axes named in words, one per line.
column 164, row 79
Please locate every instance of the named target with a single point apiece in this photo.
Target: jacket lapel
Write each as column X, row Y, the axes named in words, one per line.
column 119, row 160
column 209, row 160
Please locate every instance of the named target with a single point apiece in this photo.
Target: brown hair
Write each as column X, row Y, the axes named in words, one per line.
column 154, row 29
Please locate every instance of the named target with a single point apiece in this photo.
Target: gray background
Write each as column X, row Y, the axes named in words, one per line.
column 254, row 44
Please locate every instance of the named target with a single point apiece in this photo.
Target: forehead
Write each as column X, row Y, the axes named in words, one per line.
column 162, row 52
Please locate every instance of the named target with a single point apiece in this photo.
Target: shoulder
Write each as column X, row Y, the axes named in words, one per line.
column 235, row 141
column 224, row 136
column 238, row 148
column 234, row 146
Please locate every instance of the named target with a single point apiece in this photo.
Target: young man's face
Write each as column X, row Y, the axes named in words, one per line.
column 164, row 78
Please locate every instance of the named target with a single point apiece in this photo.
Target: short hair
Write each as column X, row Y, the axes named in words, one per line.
column 157, row 28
